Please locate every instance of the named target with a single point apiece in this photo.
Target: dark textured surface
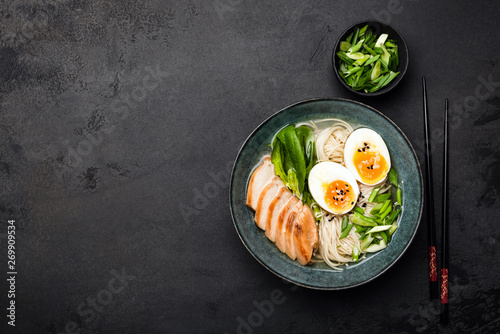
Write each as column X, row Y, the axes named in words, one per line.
column 116, row 115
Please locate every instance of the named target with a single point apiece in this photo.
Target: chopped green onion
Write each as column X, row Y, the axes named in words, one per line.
column 355, row 48
column 355, row 55
column 393, row 228
column 384, row 63
column 383, row 234
column 396, row 59
column 381, row 40
column 359, row 221
column 361, row 61
column 359, row 228
column 365, row 218
column 366, row 242
column 346, row 231
column 389, row 44
column 382, row 198
column 349, row 38
column 376, row 247
column 362, row 30
column 387, row 204
column 343, row 57
column 344, row 46
column 393, row 177
column 352, row 71
column 376, row 70
column 399, row 196
column 316, row 211
column 355, row 37
column 355, row 254
column 371, row 60
column 358, row 210
column 376, row 208
column 377, row 80
column 379, row 228
column 370, row 50
column 393, row 216
column 386, row 56
column 392, row 75
column 386, row 212
column 375, row 55
column 345, row 220
column 373, row 194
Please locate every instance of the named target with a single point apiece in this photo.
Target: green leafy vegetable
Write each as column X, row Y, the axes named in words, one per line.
column 277, row 158
column 293, row 157
column 293, row 183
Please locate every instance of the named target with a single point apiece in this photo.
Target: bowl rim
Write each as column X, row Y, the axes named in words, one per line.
column 272, row 270
column 383, row 90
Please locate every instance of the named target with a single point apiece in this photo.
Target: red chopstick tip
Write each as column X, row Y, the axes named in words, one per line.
column 432, row 264
column 444, row 286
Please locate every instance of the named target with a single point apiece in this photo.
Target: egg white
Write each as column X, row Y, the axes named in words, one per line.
column 357, row 139
column 322, row 175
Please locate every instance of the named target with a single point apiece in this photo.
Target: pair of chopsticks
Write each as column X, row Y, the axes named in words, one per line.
column 431, row 225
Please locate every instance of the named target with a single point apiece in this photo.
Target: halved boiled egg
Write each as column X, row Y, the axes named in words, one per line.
column 366, row 156
column 333, row 187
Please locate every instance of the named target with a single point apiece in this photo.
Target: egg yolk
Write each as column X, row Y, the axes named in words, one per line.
column 339, row 196
column 370, row 164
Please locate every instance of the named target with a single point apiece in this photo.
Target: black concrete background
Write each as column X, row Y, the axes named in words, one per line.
column 117, row 116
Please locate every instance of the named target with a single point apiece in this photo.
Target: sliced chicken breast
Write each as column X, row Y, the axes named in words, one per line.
column 305, row 236
column 266, row 196
column 285, row 219
column 260, row 178
column 280, row 224
column 289, row 228
column 274, row 210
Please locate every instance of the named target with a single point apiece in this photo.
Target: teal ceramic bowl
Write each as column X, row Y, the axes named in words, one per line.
column 319, row 275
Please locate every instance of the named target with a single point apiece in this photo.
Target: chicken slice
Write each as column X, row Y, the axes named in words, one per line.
column 260, row 178
column 289, row 228
column 305, row 236
column 266, row 196
column 289, row 217
column 282, row 216
column 274, row 210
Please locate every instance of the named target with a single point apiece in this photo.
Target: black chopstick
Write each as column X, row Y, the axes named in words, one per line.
column 444, row 241
column 429, row 195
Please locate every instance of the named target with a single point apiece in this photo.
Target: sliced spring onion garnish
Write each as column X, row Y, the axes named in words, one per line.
column 375, row 60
